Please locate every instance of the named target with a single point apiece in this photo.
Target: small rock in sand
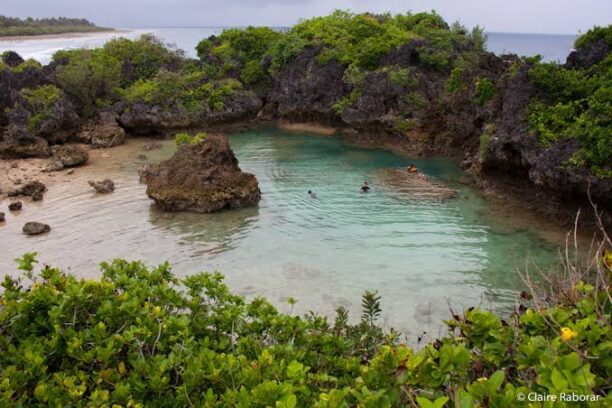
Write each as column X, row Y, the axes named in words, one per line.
column 71, row 171
column 104, row 187
column 15, row 206
column 17, row 182
column 34, row 189
column 35, row 228
column 54, row 166
column 14, row 165
column 2, row 216
column 151, row 146
column 142, row 157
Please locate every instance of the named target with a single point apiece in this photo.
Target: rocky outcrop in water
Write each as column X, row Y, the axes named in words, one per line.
column 105, row 186
column 2, row 215
column 204, row 177
column 35, row 228
column 15, row 206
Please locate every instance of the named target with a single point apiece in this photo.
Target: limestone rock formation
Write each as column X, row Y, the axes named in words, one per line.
column 34, row 189
column 103, row 132
column 204, row 177
column 105, row 186
column 70, row 155
column 35, row 228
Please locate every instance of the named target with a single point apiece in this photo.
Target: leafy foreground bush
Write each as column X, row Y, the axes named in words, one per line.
column 133, row 338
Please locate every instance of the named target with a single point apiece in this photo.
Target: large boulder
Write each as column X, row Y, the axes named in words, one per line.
column 17, row 142
column 204, row 177
column 70, row 155
column 61, row 125
column 103, row 132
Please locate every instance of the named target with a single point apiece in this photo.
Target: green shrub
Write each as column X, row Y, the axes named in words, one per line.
column 485, row 139
column 404, row 125
column 186, row 138
column 189, row 91
column 40, row 102
column 484, row 91
column 253, row 72
column 341, row 104
column 455, row 81
column 238, row 49
column 142, row 337
column 141, row 59
column 415, row 99
column 593, row 35
column 576, row 104
column 404, row 77
column 29, row 64
column 90, row 77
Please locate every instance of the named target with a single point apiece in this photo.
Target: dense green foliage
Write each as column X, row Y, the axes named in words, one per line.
column 189, row 92
column 10, row 26
column 577, row 105
column 27, row 65
column 484, row 91
column 238, row 50
column 95, row 78
column 142, row 58
column 594, row 34
column 41, row 102
column 141, row 337
column 90, row 77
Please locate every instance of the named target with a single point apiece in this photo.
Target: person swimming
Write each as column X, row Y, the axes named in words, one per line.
column 412, row 169
column 365, row 188
column 312, row 194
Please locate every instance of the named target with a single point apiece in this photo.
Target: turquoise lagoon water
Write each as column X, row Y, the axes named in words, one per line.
column 421, row 254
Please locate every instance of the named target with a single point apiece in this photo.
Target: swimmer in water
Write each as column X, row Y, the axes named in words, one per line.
column 365, row 188
column 312, row 194
column 412, row 169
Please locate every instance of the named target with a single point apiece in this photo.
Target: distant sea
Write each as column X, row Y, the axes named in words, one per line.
column 551, row 47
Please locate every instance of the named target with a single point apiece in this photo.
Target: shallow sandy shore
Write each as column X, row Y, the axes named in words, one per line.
column 309, row 127
column 62, row 35
column 15, row 173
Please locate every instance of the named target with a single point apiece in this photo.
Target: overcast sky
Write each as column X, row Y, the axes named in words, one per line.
column 532, row 16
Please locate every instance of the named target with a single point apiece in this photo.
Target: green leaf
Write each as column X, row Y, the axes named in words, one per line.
column 496, row 380
column 558, row 380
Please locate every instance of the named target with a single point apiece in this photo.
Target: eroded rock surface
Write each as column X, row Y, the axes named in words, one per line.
column 34, row 189
column 204, row 177
column 70, row 155
column 35, row 228
column 105, row 186
column 103, row 132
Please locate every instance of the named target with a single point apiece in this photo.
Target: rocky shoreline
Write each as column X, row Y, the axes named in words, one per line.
column 403, row 105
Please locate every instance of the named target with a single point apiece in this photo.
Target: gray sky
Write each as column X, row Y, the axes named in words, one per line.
column 533, row 16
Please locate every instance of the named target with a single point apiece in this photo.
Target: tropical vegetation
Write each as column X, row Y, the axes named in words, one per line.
column 12, row 26
column 576, row 105
column 140, row 336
